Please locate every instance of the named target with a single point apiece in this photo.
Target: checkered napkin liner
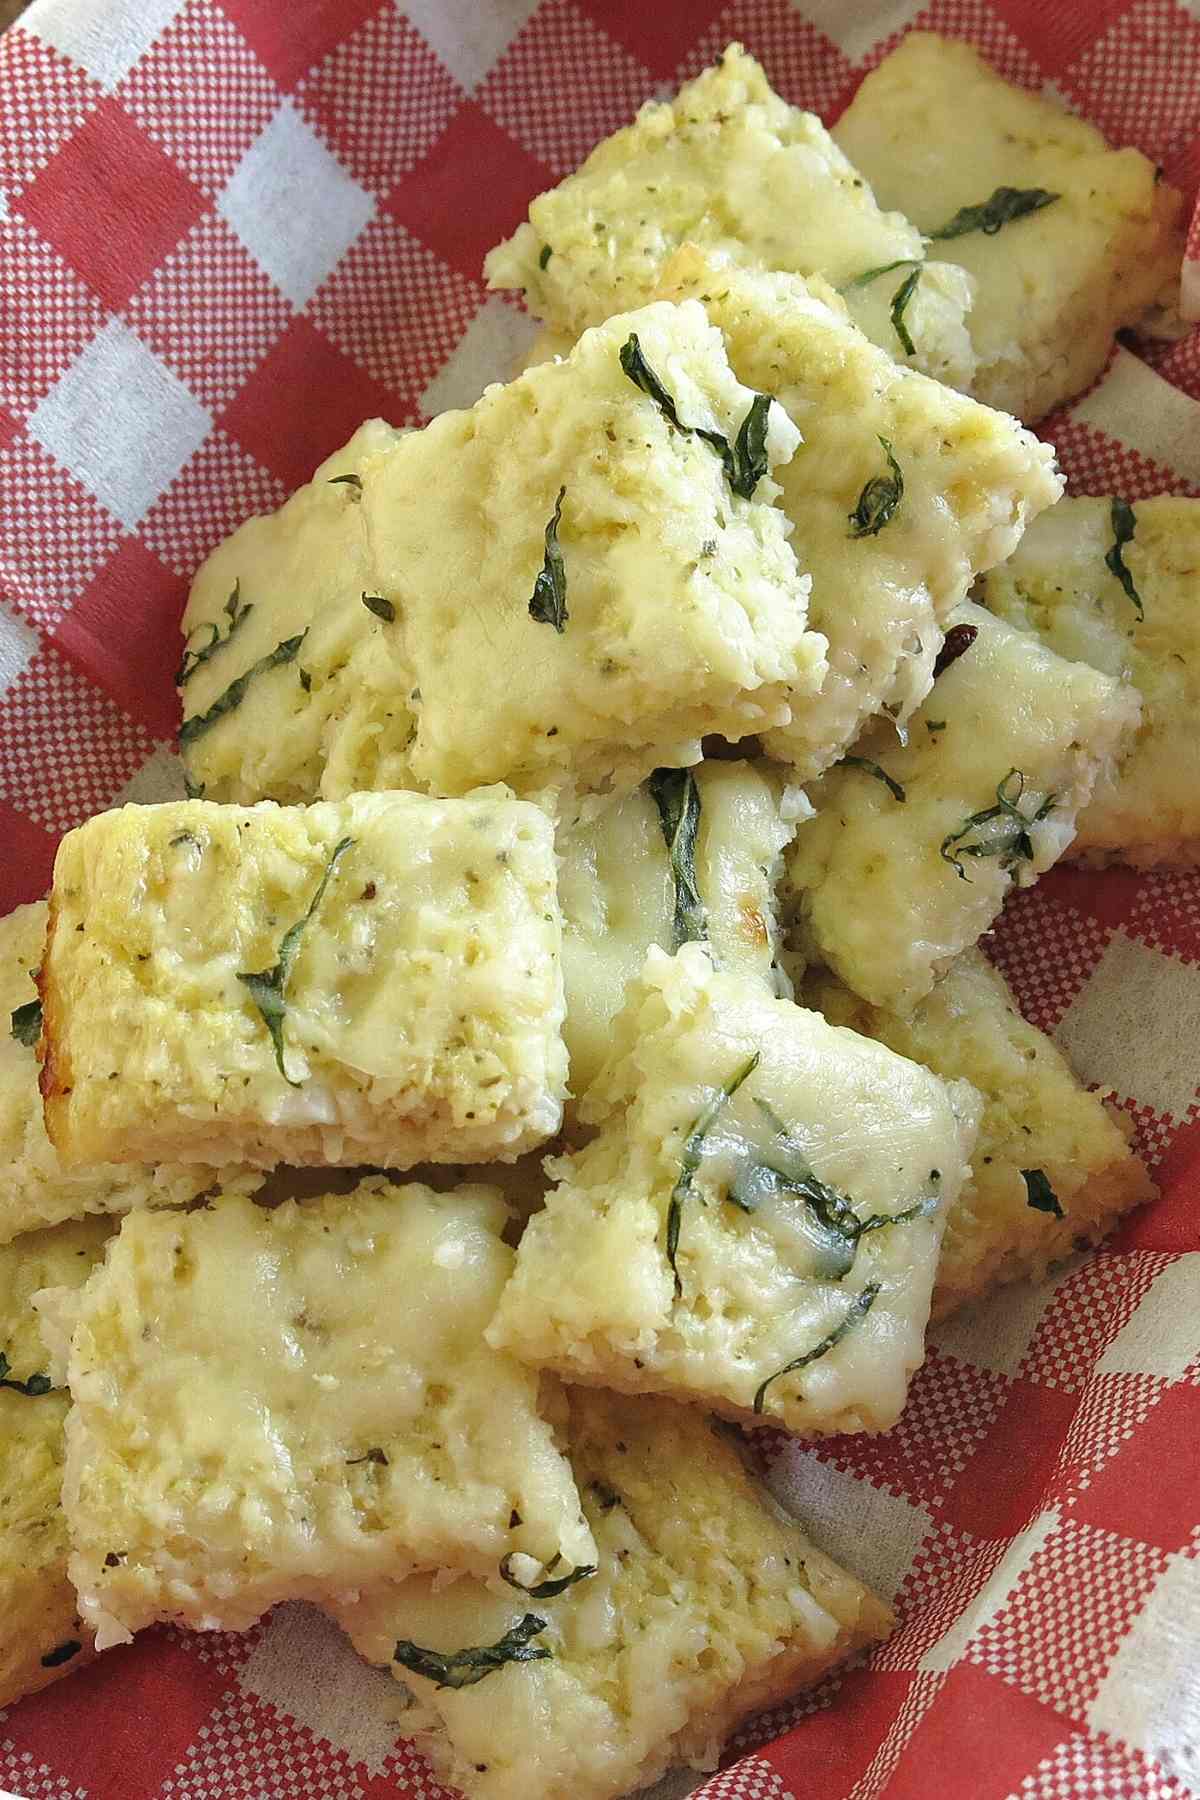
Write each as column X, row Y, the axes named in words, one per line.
column 231, row 230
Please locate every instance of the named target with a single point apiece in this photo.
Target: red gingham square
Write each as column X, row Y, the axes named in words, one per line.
column 36, row 282
column 806, row 68
column 660, row 37
column 1155, row 44
column 1045, row 952
column 124, row 628
column 53, row 534
column 222, row 485
column 43, row 99
column 289, row 41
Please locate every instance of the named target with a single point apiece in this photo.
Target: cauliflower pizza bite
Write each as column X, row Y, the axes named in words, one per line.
column 900, row 493
column 756, row 1224
column 1119, row 587
column 914, row 846
column 690, row 854
column 375, row 980
column 1052, row 1169
column 563, row 588
column 707, row 1604
column 730, row 167
column 292, row 1403
column 1066, row 239
column 37, row 1189
column 41, row 1636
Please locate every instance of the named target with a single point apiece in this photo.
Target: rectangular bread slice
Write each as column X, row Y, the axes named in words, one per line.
column 622, row 889
column 915, row 846
column 730, row 167
column 1066, row 239
column 755, row 1225
column 1064, row 584
column 562, row 589
column 707, row 1605
column 375, row 980
column 900, row 494
column 291, row 1403
column 36, row 1189
column 1038, row 1120
column 41, row 1635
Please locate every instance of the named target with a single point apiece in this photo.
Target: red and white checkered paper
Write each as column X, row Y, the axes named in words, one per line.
column 231, row 229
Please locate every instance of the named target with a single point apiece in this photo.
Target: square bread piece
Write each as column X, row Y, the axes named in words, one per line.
column 692, row 853
column 36, row 1190
column 374, row 980
column 1078, row 241
column 1062, row 585
column 708, row 1604
column 561, row 587
column 295, row 1403
column 41, row 1636
column 915, row 846
column 729, row 167
column 1038, row 1120
column 756, row 1224
column 958, row 483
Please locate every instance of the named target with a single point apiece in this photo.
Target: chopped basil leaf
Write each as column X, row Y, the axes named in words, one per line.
column 677, row 798
column 1041, row 1196
column 383, row 609
column 305, row 679
column 900, row 300
column 548, row 603
column 870, row 275
column 744, row 465
column 956, row 643
column 350, row 481
column 1124, row 524
column 750, row 448
column 998, row 210
column 642, row 376
column 27, row 1023
column 268, row 987
column 545, row 1590
column 872, row 768
column 547, row 252
column 193, row 789
column 236, row 613
column 374, row 1455
column 235, row 693
column 933, row 726
column 879, row 499
column 62, row 1653
column 858, row 1309
column 693, row 1154
column 33, row 1388
column 1013, row 844
column 463, row 1668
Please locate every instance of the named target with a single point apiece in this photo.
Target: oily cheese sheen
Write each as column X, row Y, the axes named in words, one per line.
column 766, row 1273
column 887, row 884
column 730, row 167
column 1060, row 586
column 972, row 479
column 419, row 1017
column 295, row 1403
column 621, row 890
column 706, row 1606
column 935, row 129
column 558, row 589
column 1037, row 1117
column 41, row 1636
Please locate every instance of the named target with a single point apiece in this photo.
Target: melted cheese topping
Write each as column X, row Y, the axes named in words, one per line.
column 298, row 1402
column 933, row 128
column 593, row 1292
column 707, row 1605
column 730, row 167
column 422, row 1013
column 685, row 611
column 871, row 893
column 1058, row 586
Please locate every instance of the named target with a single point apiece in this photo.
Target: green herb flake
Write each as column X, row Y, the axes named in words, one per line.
column 383, row 609
column 305, row 679
column 1124, row 524
column 234, row 694
column 1040, row 1195
column 870, row 275
column 750, row 448
column 463, row 1668
column 194, row 790
column 268, row 987
column 236, row 613
column 548, row 602
column 545, row 1590
column 693, row 1155
column 872, row 768
column 879, row 499
column 351, row 481
column 33, row 1388
column 857, row 1311
column 992, row 214
column 62, row 1653
column 374, row 1455
column 933, row 726
column 744, row 465
column 677, row 797
column 900, row 300
column 1011, row 845
column 547, row 251
column 27, row 1023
